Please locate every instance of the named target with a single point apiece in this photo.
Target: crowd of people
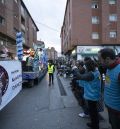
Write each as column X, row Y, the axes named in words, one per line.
column 5, row 55
column 97, row 83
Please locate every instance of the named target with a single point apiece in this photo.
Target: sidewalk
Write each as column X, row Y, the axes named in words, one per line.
column 104, row 124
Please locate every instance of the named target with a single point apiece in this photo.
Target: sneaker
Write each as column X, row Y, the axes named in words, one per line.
column 83, row 115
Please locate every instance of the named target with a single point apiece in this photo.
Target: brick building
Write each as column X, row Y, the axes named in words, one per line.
column 15, row 17
column 89, row 25
column 51, row 54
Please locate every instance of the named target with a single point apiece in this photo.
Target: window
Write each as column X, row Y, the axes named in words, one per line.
column 2, row 21
column 111, row 2
column 95, row 20
column 22, row 20
column 23, row 33
column 113, row 34
column 2, row 1
column 1, row 42
column 113, row 17
column 94, row 4
column 95, row 35
column 15, row 30
column 22, row 10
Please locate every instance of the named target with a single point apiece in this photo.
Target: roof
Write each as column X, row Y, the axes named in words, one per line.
column 29, row 14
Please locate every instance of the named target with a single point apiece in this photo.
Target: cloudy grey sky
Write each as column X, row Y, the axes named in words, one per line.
column 48, row 15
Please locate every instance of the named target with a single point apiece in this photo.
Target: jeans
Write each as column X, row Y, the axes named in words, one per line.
column 85, row 107
column 84, row 103
column 114, row 118
column 93, row 112
column 51, row 78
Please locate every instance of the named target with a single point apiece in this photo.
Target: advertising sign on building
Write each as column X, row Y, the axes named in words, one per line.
column 88, row 49
column 83, row 51
column 10, row 81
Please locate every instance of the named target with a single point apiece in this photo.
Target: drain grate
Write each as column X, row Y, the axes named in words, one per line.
column 62, row 90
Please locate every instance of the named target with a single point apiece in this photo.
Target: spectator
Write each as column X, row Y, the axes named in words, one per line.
column 112, row 85
column 83, row 103
column 75, row 70
column 3, row 56
column 118, row 58
column 91, row 82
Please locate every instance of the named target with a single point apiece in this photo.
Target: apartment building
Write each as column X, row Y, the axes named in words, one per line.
column 51, row 54
column 15, row 17
column 89, row 25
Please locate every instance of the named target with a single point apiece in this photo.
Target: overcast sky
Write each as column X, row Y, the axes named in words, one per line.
column 48, row 16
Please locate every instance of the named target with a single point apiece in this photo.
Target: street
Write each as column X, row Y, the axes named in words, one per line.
column 77, row 41
column 44, row 107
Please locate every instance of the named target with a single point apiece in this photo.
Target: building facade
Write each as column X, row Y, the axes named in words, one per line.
column 15, row 17
column 51, row 54
column 90, row 23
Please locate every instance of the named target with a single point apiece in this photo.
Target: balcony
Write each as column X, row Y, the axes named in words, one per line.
column 22, row 12
column 22, row 27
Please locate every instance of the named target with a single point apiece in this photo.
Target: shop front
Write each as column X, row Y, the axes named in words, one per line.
column 90, row 51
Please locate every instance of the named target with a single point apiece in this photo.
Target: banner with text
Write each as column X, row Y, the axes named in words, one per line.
column 10, row 81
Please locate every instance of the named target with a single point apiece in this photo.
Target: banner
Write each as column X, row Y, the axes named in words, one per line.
column 19, row 44
column 10, row 81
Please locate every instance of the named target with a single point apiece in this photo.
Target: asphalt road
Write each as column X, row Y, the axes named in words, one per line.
column 43, row 107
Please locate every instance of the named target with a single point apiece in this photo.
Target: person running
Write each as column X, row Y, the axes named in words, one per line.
column 112, row 85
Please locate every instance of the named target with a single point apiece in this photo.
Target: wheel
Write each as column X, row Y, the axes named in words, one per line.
column 30, row 83
column 36, row 81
